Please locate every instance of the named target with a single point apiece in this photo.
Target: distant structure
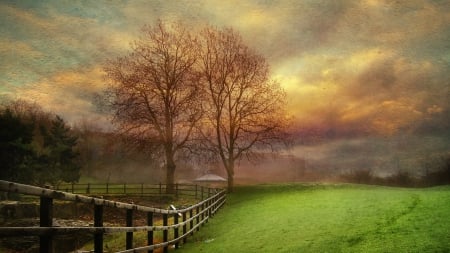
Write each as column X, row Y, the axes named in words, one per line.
column 212, row 180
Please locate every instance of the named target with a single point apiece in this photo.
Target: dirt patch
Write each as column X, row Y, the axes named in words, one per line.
column 68, row 214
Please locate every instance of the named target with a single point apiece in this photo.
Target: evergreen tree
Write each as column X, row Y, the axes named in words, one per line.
column 60, row 156
column 17, row 156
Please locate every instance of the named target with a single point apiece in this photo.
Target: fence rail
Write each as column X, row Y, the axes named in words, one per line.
column 140, row 190
column 185, row 221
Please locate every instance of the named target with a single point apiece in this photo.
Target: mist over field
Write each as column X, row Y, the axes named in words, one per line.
column 382, row 155
column 369, row 78
column 315, row 125
column 328, row 160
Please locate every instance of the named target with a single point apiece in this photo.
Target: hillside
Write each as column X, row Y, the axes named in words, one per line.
column 328, row 218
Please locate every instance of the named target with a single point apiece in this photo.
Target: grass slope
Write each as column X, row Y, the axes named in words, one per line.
column 328, row 218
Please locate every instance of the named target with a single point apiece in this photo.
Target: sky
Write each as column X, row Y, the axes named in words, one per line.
column 350, row 68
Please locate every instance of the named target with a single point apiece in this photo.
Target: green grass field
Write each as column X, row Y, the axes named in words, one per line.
column 328, row 218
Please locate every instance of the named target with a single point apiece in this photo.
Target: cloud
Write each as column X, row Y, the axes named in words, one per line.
column 62, row 41
column 349, row 67
column 9, row 47
column 372, row 91
column 18, row 60
column 67, row 93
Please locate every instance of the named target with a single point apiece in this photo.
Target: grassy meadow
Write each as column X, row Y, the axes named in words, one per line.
column 328, row 218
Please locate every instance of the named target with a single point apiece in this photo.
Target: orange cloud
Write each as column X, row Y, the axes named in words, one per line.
column 371, row 91
column 348, row 67
column 67, row 93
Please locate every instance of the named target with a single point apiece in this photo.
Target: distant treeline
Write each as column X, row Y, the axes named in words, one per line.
column 35, row 146
column 40, row 147
column 437, row 173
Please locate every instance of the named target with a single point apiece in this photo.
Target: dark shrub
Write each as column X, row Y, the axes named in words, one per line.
column 401, row 178
column 364, row 176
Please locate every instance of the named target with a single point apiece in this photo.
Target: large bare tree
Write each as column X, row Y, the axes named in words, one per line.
column 154, row 92
column 245, row 109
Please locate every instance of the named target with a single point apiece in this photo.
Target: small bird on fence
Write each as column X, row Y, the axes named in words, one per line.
column 174, row 208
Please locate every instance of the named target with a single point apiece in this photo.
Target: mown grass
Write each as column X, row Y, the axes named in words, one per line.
column 328, row 218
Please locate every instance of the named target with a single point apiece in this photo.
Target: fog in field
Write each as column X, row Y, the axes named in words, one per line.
column 370, row 78
column 383, row 156
column 325, row 160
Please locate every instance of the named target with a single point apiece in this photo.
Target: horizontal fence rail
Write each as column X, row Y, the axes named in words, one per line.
column 184, row 221
column 139, row 190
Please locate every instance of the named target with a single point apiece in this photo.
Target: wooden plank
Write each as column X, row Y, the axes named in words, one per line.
column 46, row 220
column 176, row 230
column 150, row 233
column 165, row 233
column 129, row 235
column 184, row 227
column 204, row 209
column 98, row 222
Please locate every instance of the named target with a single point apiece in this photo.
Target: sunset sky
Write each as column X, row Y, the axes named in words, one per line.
column 350, row 68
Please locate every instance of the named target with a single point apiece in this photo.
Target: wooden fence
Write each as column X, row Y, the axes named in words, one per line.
column 184, row 222
column 139, row 190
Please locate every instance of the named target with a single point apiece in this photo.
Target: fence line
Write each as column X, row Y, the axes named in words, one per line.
column 141, row 190
column 204, row 209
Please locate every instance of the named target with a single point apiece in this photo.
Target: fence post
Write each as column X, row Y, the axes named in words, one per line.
column 46, row 220
column 160, row 193
column 195, row 191
column 208, row 209
column 215, row 199
column 216, row 205
column 165, row 233
column 150, row 233
column 129, row 235
column 73, row 187
column 184, row 227
column 203, row 213
column 209, row 204
column 213, row 205
column 176, row 229
column 98, row 222
column 192, row 221
column 198, row 217
column 201, row 189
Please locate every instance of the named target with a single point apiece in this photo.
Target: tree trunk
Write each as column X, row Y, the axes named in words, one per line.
column 230, row 173
column 230, row 183
column 170, row 174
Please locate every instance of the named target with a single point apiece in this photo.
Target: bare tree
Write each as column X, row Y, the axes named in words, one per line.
column 155, row 94
column 244, row 109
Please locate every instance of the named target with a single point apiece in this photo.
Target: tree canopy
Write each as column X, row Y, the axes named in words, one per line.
column 244, row 108
column 154, row 92
column 178, row 89
column 16, row 153
column 60, row 157
column 34, row 148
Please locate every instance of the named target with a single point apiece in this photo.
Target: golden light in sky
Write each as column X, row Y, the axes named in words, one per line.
column 365, row 67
